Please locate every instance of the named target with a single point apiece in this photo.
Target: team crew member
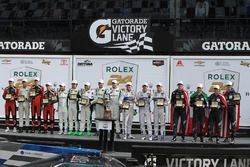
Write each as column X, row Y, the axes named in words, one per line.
column 36, row 93
column 198, row 101
column 115, row 94
column 143, row 99
column 9, row 95
column 73, row 97
column 127, row 101
column 233, row 99
column 23, row 105
column 179, row 101
column 49, row 98
column 99, row 102
column 160, row 102
column 217, row 103
column 63, row 109
column 86, row 95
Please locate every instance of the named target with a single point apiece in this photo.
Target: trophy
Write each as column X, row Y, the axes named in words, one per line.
column 160, row 102
column 214, row 104
column 237, row 97
column 45, row 101
column 199, row 103
column 32, row 93
column 100, row 100
column 84, row 101
column 8, row 96
column 125, row 105
column 179, row 103
column 54, row 98
column 141, row 102
column 20, row 98
column 73, row 96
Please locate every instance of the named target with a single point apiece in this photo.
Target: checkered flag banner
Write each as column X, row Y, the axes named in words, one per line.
column 143, row 43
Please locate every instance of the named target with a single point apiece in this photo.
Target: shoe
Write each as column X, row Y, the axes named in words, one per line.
column 70, row 132
column 96, row 134
column 155, row 138
column 232, row 141
column 20, row 130
column 32, row 130
column 45, row 131
column 173, row 139
column 7, row 129
column 65, row 132
column 39, row 129
column 131, row 137
column 162, row 137
column 125, row 137
column 201, row 140
column 51, row 132
column 210, row 140
column 14, row 130
column 118, row 136
column 183, row 139
column 143, row 138
column 194, row 140
column 60, row 132
column 80, row 133
column 217, row 140
column 88, row 133
column 76, row 133
column 150, row 138
column 226, row 140
column 26, row 129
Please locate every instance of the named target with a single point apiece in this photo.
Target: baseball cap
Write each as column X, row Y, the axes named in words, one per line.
column 62, row 84
column 180, row 82
column 159, row 84
column 87, row 84
column 48, row 84
column 199, row 85
column 11, row 80
column 114, row 81
column 101, row 81
column 145, row 84
column 229, row 83
column 37, row 79
column 129, row 83
column 216, row 87
column 74, row 82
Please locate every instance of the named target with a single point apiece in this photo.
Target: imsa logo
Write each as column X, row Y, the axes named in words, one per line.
column 130, row 35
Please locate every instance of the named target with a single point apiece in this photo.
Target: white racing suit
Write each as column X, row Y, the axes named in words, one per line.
column 63, row 110
column 159, row 112
column 114, row 106
column 143, row 102
column 73, row 109
column 99, row 105
column 24, row 106
column 86, row 95
column 128, row 114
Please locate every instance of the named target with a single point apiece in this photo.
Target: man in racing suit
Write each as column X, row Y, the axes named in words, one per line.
column 63, row 109
column 127, row 101
column 36, row 93
column 198, row 101
column 217, row 103
column 73, row 110
column 10, row 95
column 179, row 101
column 86, row 95
column 23, row 106
column 143, row 99
column 49, row 98
column 233, row 98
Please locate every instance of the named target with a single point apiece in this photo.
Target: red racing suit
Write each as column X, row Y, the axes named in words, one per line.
column 49, row 98
column 36, row 104
column 10, row 95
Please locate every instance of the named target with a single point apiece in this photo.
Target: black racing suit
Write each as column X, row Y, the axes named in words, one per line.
column 177, row 97
column 232, row 102
column 215, row 115
column 198, row 114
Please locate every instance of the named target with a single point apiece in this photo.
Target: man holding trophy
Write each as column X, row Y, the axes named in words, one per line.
column 127, row 102
column 10, row 95
column 233, row 99
column 86, row 95
column 199, row 101
column 179, row 102
column 49, row 98
column 63, row 109
column 23, row 105
column 115, row 94
column 143, row 99
column 160, row 102
column 217, row 103
column 36, row 93
column 73, row 96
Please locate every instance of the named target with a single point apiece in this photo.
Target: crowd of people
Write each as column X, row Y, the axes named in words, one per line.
column 75, row 107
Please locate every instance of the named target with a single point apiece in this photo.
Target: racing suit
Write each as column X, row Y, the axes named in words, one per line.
column 73, row 110
column 63, row 110
column 23, row 107
column 99, row 104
